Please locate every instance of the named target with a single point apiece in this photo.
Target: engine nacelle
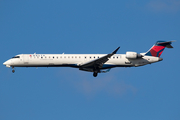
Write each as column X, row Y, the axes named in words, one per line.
column 133, row 55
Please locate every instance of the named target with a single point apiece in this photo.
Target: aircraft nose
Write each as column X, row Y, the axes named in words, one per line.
column 7, row 63
column 4, row 63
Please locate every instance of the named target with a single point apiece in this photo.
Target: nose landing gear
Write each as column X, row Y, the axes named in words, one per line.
column 13, row 70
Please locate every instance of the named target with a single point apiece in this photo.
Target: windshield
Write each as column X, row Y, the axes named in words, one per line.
column 16, row 57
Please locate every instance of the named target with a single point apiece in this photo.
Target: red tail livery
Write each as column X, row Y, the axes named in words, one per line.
column 158, row 48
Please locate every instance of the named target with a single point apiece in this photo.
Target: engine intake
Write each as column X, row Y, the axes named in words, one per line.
column 133, row 55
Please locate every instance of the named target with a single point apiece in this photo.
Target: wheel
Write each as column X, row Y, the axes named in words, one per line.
column 95, row 74
column 13, row 71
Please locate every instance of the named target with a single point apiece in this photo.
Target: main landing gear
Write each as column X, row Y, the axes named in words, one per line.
column 95, row 74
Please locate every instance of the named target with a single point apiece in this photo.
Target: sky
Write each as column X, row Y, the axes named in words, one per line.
column 148, row 92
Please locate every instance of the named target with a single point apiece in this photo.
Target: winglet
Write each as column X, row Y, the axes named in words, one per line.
column 114, row 52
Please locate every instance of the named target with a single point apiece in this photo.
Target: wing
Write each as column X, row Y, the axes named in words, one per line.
column 98, row 63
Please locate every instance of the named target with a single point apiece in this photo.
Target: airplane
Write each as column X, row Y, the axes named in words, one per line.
column 96, row 63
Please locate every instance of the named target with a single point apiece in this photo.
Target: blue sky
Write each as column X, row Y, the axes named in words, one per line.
column 149, row 92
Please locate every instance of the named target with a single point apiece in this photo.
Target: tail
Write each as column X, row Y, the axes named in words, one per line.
column 158, row 48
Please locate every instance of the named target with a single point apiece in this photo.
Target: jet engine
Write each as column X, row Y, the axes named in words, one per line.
column 133, row 55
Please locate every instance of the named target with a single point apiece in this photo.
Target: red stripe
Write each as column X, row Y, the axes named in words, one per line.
column 156, row 49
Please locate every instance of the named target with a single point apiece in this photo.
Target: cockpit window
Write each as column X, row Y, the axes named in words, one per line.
column 16, row 57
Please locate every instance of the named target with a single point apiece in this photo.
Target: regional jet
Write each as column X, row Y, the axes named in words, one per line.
column 96, row 63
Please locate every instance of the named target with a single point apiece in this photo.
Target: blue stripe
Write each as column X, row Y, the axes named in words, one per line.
column 148, row 53
column 108, row 66
column 159, row 52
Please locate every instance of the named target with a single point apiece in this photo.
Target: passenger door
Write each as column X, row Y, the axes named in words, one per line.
column 26, row 59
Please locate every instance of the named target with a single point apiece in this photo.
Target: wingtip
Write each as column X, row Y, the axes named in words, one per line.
column 173, row 41
column 116, row 50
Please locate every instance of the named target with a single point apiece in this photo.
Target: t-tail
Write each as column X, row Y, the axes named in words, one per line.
column 158, row 48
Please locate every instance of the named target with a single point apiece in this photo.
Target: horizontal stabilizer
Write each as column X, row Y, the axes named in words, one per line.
column 166, row 44
column 169, row 46
column 105, row 71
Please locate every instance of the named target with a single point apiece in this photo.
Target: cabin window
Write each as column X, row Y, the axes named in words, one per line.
column 79, row 57
column 53, row 57
column 94, row 57
column 85, row 57
column 90, row 57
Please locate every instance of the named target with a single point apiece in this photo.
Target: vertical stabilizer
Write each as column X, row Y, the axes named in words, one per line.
column 157, row 49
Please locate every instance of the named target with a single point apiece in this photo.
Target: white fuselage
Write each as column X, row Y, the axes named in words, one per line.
column 76, row 60
column 96, row 63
